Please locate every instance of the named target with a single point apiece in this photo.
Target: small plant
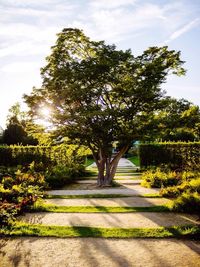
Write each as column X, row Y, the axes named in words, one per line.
column 187, row 202
column 157, row 178
column 174, row 191
column 18, row 193
column 8, row 213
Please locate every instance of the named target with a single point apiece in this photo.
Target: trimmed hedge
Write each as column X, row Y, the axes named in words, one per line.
column 176, row 156
column 48, row 155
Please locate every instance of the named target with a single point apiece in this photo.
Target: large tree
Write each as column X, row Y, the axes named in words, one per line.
column 100, row 95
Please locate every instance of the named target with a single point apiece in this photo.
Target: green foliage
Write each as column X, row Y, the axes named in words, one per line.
column 18, row 192
column 177, row 156
column 187, row 202
column 61, row 175
column 179, row 120
column 184, row 187
column 100, row 95
column 157, row 178
column 174, row 191
column 43, row 156
column 15, row 132
column 8, row 213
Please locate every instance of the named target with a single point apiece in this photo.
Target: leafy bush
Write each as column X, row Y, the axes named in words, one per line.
column 60, row 175
column 8, row 213
column 157, row 178
column 174, row 191
column 187, row 202
column 18, row 193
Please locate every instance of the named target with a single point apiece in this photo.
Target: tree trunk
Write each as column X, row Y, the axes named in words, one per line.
column 107, row 167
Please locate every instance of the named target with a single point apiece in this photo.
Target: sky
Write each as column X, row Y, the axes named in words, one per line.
column 28, row 29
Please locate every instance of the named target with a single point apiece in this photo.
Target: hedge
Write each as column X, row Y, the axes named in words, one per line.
column 175, row 155
column 48, row 155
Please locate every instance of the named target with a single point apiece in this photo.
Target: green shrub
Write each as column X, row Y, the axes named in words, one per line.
column 194, row 185
column 176, row 155
column 8, row 213
column 61, row 175
column 158, row 179
column 187, row 202
column 188, row 175
column 63, row 154
column 174, row 191
column 58, row 176
column 18, row 193
column 171, row 191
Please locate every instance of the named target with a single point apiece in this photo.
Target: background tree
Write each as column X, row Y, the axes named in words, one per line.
column 15, row 132
column 179, row 120
column 100, row 95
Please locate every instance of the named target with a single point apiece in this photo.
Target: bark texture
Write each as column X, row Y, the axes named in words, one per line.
column 107, row 166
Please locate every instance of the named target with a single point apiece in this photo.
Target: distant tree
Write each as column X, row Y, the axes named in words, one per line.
column 179, row 120
column 100, row 95
column 15, row 132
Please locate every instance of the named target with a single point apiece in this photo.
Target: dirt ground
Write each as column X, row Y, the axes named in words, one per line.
column 97, row 252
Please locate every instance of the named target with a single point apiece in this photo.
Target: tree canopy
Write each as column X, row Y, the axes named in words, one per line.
column 15, row 132
column 100, row 95
column 179, row 120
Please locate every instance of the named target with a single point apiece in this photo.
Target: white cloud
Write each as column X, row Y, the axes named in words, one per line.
column 119, row 24
column 25, row 49
column 110, row 4
column 176, row 34
column 184, row 29
column 21, row 67
column 57, row 11
column 27, row 3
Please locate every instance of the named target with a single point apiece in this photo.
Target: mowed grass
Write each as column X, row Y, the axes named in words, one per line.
column 135, row 160
column 42, row 207
column 23, row 229
column 100, row 196
column 88, row 162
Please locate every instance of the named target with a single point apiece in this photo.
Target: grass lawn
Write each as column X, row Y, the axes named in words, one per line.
column 135, row 160
column 88, row 162
column 23, row 229
column 38, row 207
column 100, row 196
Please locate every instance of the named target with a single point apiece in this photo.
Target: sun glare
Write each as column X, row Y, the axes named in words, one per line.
column 45, row 112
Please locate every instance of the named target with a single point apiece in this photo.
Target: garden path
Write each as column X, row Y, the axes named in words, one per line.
column 102, row 252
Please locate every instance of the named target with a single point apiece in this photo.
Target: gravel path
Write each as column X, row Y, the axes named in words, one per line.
column 128, row 190
column 125, row 220
column 112, row 202
column 98, row 252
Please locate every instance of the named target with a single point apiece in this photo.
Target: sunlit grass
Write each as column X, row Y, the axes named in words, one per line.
column 42, row 207
column 135, row 160
column 23, row 229
column 101, row 196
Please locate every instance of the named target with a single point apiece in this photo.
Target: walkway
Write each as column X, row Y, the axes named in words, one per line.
column 102, row 252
